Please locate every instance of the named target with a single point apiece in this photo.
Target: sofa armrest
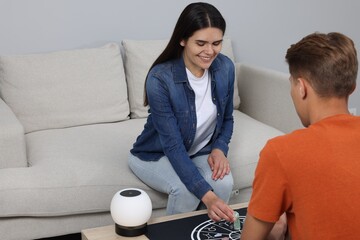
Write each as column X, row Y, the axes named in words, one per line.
column 265, row 96
column 12, row 139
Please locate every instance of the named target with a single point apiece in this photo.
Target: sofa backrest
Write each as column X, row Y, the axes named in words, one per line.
column 139, row 55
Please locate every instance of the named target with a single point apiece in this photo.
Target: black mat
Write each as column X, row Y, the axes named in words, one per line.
column 196, row 228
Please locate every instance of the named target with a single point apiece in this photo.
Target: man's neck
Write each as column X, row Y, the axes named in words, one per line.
column 327, row 107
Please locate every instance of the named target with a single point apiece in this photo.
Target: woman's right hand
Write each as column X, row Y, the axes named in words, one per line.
column 217, row 208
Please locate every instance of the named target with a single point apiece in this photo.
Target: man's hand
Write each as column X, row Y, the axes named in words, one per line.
column 219, row 164
column 217, row 208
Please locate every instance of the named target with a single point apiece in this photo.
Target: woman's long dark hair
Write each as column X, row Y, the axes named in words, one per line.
column 194, row 17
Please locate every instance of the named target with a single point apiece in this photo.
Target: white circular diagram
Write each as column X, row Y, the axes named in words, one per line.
column 222, row 230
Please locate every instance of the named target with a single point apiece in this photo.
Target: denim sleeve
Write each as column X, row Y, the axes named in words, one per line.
column 223, row 138
column 158, row 92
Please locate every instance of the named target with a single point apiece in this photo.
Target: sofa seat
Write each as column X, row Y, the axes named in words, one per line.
column 86, row 163
column 70, row 163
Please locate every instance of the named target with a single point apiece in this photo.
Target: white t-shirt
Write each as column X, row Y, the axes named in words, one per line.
column 205, row 110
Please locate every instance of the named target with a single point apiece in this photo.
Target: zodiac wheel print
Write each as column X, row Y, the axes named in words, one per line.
column 222, row 230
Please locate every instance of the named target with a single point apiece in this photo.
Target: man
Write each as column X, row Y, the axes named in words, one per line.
column 313, row 174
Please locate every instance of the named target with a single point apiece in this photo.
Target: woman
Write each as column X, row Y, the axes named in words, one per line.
column 189, row 89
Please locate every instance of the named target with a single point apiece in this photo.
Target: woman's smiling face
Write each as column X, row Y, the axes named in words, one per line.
column 201, row 49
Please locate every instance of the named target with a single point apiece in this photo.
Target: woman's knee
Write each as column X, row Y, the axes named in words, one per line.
column 179, row 190
column 181, row 200
column 226, row 183
column 223, row 187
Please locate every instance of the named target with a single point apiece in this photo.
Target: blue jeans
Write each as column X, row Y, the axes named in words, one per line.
column 161, row 176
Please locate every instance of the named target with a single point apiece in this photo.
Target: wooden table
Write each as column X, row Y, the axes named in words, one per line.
column 108, row 232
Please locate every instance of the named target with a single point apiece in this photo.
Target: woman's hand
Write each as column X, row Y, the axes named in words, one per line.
column 217, row 208
column 218, row 164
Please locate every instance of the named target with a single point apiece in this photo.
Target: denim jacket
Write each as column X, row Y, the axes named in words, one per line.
column 171, row 124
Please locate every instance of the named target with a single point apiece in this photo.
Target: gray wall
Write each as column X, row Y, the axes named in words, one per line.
column 261, row 30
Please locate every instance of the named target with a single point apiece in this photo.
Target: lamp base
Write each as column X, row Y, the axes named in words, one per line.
column 130, row 231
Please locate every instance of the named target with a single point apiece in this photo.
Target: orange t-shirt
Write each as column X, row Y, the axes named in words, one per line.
column 313, row 175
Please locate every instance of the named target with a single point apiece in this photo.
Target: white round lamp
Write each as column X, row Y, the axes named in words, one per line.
column 130, row 209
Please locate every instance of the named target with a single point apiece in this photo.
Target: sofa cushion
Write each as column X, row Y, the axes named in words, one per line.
column 65, row 88
column 139, row 56
column 72, row 171
column 249, row 137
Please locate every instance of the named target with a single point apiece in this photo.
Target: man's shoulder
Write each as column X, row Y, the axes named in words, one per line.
column 295, row 135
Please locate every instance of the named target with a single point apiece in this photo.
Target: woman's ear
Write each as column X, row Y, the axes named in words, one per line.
column 182, row 43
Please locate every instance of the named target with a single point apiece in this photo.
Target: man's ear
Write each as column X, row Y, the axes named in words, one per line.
column 302, row 87
column 353, row 89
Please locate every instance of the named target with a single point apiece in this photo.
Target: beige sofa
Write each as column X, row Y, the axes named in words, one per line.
column 69, row 118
